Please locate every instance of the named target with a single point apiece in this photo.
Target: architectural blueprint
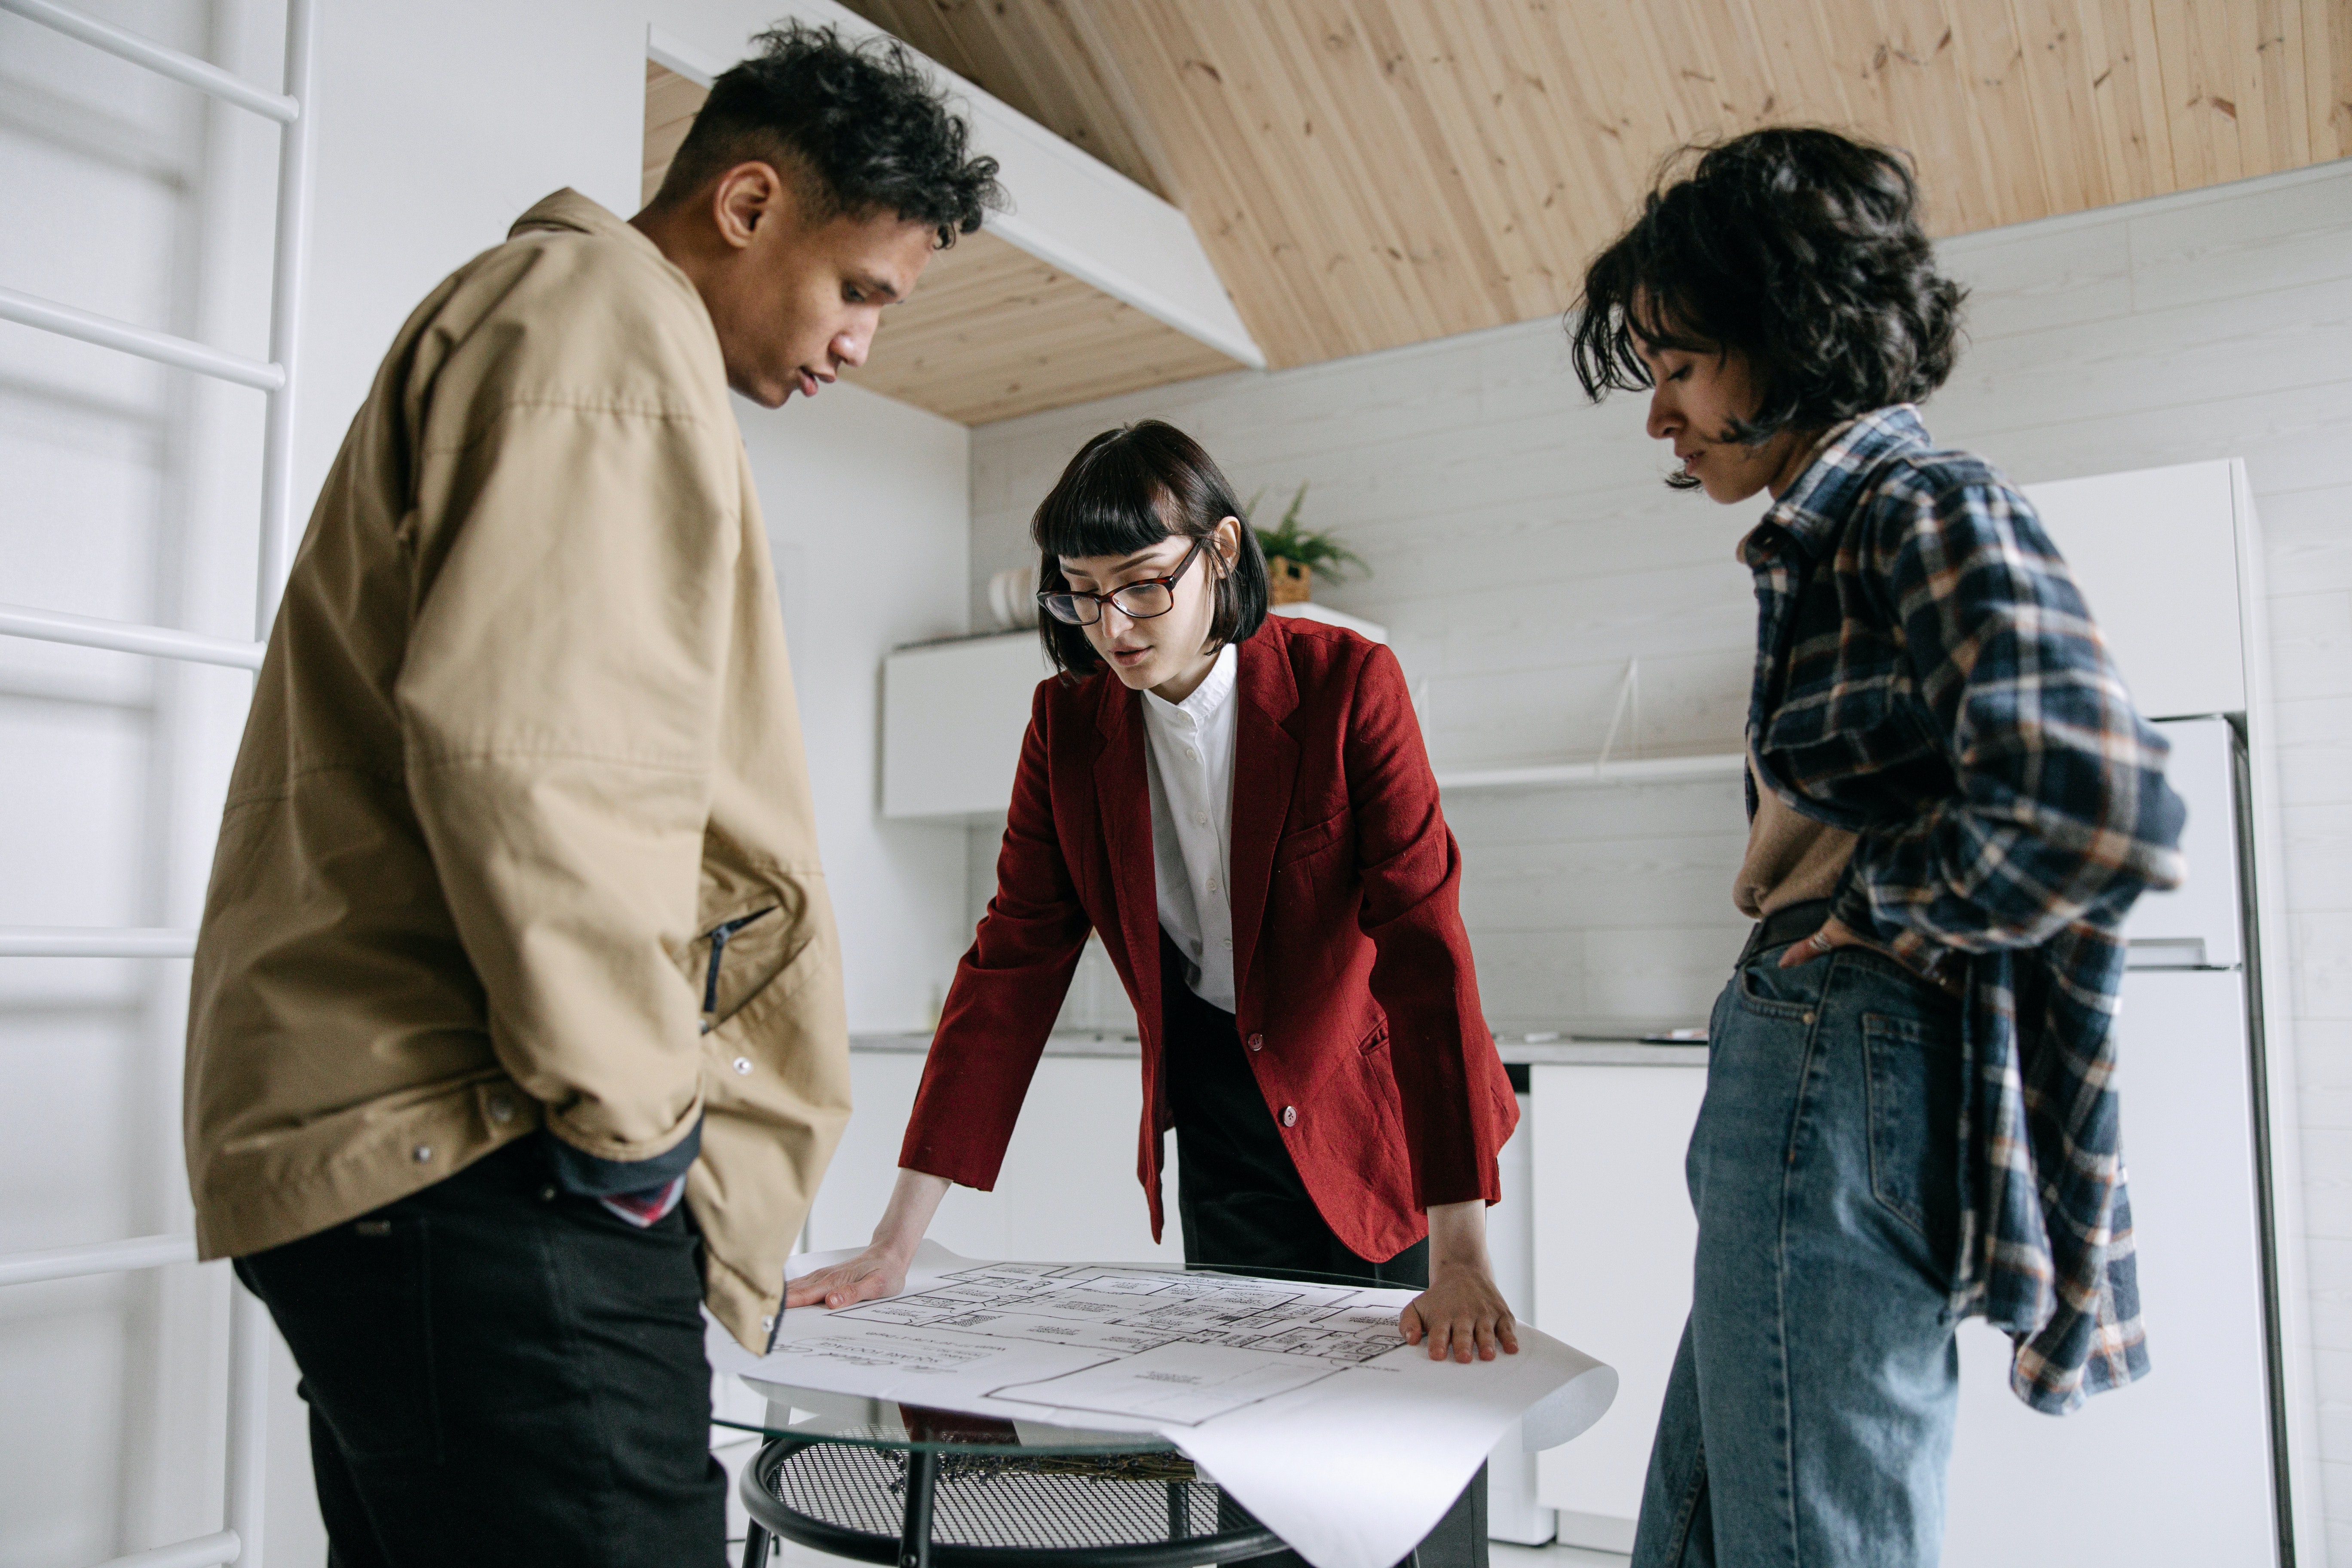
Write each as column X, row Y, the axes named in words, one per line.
column 1175, row 1347
column 1303, row 1401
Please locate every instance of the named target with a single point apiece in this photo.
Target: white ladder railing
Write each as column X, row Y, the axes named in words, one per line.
column 240, row 1539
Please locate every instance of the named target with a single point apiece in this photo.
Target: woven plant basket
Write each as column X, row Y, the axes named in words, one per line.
column 1286, row 582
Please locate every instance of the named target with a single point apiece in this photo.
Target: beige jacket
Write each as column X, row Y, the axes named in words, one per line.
column 524, row 735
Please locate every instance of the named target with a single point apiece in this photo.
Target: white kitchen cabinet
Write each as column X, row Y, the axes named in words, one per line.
column 1068, row 1190
column 1614, row 1240
column 954, row 714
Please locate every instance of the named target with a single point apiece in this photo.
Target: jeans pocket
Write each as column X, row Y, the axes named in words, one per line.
column 1915, row 1070
column 1762, row 986
column 355, row 1305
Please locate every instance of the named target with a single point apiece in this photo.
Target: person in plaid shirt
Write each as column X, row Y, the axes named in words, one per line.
column 1910, row 1114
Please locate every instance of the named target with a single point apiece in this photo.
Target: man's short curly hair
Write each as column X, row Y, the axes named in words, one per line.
column 1801, row 250
column 859, row 127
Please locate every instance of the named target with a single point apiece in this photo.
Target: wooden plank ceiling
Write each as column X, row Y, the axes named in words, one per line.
column 1366, row 174
column 991, row 331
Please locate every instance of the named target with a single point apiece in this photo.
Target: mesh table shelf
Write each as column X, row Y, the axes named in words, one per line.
column 957, row 1509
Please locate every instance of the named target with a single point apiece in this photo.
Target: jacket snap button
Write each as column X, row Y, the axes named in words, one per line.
column 1290, row 1116
column 742, row 1064
column 1257, row 1042
column 422, row 1154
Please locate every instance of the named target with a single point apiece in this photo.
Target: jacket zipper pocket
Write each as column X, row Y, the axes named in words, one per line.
column 719, row 936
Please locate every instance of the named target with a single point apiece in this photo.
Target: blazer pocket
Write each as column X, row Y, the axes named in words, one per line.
column 1306, row 843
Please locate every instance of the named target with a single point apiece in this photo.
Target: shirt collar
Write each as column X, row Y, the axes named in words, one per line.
column 1216, row 689
column 1822, row 494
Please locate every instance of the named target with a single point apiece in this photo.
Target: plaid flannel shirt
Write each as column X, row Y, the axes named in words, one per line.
column 1929, row 678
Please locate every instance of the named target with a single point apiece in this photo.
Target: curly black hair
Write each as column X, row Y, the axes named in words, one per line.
column 1798, row 248
column 859, row 126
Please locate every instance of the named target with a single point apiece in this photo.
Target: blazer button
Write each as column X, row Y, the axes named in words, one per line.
column 1290, row 1116
column 1257, row 1042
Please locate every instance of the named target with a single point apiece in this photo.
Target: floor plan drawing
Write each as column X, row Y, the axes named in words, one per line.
column 1132, row 1312
column 1291, row 1394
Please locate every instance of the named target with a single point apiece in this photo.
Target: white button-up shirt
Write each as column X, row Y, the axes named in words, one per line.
column 1192, row 780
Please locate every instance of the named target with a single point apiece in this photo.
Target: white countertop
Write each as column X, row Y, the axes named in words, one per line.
column 1514, row 1049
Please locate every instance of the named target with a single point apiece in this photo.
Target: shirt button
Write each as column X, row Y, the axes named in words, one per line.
column 1290, row 1116
column 500, row 1108
column 742, row 1064
column 1212, row 884
column 422, row 1154
column 1200, row 819
column 1228, row 942
column 1257, row 1042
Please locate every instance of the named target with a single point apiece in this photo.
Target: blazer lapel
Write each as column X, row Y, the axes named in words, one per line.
column 1265, row 768
column 1123, row 797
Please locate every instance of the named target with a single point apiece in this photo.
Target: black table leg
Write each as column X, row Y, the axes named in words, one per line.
column 915, row 1535
column 755, row 1547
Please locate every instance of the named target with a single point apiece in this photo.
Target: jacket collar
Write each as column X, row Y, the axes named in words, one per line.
column 567, row 211
column 1844, row 463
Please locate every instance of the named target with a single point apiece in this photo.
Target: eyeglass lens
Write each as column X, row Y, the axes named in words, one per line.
column 1137, row 601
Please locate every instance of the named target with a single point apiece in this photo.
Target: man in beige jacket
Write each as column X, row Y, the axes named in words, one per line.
column 516, row 932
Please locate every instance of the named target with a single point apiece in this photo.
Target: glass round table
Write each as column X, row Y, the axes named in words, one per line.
column 878, row 1481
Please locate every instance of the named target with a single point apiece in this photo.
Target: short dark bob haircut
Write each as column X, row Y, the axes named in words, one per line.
column 1800, row 249
column 858, row 127
column 1125, row 490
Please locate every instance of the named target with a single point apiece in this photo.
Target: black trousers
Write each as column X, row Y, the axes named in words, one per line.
column 498, row 1373
column 1243, row 1207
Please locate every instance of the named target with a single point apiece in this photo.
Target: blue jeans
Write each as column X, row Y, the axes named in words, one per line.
column 1808, row 1419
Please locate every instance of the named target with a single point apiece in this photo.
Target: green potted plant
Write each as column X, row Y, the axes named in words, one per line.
column 1294, row 555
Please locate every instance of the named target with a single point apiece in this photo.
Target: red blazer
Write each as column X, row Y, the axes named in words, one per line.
column 1351, row 969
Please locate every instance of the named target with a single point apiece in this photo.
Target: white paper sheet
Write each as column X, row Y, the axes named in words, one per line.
column 1302, row 1400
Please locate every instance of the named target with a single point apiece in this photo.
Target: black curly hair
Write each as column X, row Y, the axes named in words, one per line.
column 858, row 126
column 1798, row 248
column 1125, row 491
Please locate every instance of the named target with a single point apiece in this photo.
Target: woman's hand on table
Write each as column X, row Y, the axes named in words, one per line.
column 881, row 1270
column 1462, row 1313
column 871, row 1274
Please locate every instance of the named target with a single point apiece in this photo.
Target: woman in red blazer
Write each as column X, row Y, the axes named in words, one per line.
column 1242, row 807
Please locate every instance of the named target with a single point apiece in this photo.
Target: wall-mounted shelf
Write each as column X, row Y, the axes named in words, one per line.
column 1572, row 775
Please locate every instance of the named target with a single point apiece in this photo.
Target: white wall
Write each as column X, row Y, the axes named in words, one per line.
column 130, row 493
column 1523, row 549
column 865, row 503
